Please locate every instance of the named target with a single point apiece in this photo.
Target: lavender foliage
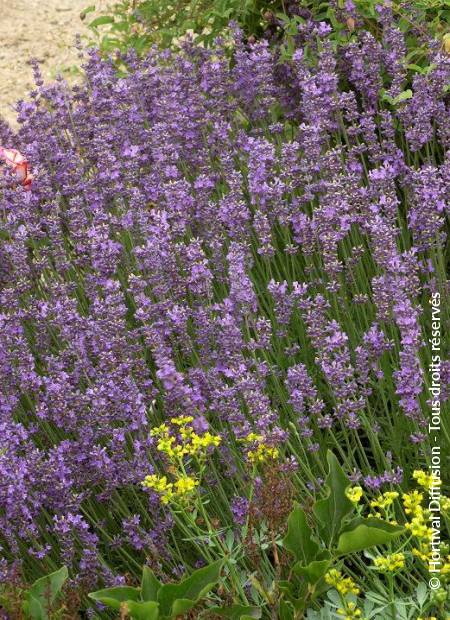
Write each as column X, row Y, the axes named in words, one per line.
column 249, row 243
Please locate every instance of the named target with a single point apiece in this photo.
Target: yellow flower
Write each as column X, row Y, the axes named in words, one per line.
column 390, row 563
column 427, row 481
column 423, row 552
column 445, row 570
column 412, row 502
column 418, row 527
column 253, row 437
column 169, row 491
column 385, row 500
column 263, row 453
column 185, row 485
column 344, row 585
column 354, row 494
column 200, row 443
column 183, row 442
column 445, row 504
column 158, row 483
column 165, row 445
column 350, row 611
column 159, row 430
column 182, row 420
column 167, row 496
column 186, row 432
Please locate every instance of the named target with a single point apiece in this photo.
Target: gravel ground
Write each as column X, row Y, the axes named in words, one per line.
column 42, row 29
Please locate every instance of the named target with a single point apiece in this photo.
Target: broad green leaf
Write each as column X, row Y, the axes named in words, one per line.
column 287, row 612
column 101, row 21
column 336, row 506
column 181, row 606
column 143, row 611
column 115, row 596
column 47, row 588
column 368, row 533
column 314, row 571
column 294, row 592
column 34, row 608
column 416, row 68
column 237, row 612
column 175, row 598
column 406, row 94
column 421, row 593
column 149, row 585
column 298, row 539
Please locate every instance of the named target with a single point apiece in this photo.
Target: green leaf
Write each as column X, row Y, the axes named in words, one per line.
column 149, row 585
column 143, row 611
column 46, row 589
column 176, row 599
column 34, row 608
column 421, row 593
column 115, row 596
column 314, row 571
column 298, row 539
column 417, row 68
column 237, row 612
column 336, row 506
column 101, row 21
column 88, row 9
column 406, row 94
column 287, row 612
column 368, row 533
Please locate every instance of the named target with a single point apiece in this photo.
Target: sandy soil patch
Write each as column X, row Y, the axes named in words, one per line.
column 43, row 29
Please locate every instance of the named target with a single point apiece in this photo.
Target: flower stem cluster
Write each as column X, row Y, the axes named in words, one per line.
column 181, row 446
column 259, row 451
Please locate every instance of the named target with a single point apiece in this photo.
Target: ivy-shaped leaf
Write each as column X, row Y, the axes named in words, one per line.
column 44, row 592
column 113, row 597
column 177, row 599
column 332, row 510
column 149, row 585
column 367, row 533
column 148, row 610
column 298, row 539
column 314, row 571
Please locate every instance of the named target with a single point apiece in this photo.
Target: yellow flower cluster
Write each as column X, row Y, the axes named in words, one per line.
column 412, row 502
column 178, row 442
column 344, row 585
column 426, row 480
column 350, row 611
column 384, row 501
column 187, row 443
column 419, row 518
column 261, row 452
column 390, row 563
column 171, row 491
column 354, row 494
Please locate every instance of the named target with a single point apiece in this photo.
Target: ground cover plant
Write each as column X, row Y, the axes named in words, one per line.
column 139, row 24
column 218, row 302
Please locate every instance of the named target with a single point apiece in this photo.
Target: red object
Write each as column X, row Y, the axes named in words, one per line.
column 19, row 164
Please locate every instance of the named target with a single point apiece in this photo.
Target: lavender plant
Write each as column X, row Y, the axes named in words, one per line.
column 257, row 245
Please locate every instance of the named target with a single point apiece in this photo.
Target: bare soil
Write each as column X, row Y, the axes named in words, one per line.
column 41, row 29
